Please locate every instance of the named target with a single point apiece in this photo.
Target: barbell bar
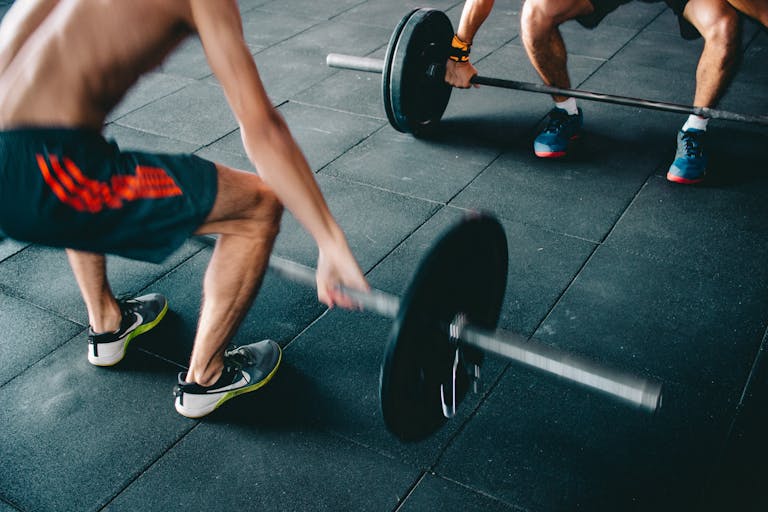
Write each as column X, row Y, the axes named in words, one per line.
column 506, row 344
column 417, row 52
column 446, row 323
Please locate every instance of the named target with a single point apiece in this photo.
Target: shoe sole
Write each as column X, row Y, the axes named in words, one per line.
column 113, row 360
column 684, row 181
column 556, row 154
column 199, row 413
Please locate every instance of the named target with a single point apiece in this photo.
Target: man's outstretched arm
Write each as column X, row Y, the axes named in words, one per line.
column 270, row 145
column 473, row 15
column 21, row 20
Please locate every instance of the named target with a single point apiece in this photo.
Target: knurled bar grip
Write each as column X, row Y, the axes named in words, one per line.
column 374, row 300
column 372, row 65
column 640, row 392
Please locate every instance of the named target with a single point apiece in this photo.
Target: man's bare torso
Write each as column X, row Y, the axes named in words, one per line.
column 74, row 66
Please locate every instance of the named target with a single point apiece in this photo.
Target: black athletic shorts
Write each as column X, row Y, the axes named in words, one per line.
column 605, row 7
column 72, row 188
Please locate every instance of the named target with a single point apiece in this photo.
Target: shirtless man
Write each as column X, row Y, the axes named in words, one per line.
column 716, row 20
column 63, row 65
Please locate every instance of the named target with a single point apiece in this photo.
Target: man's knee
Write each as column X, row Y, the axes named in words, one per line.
column 718, row 22
column 545, row 14
column 267, row 210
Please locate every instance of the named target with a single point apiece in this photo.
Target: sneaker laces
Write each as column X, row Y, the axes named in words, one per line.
column 128, row 304
column 558, row 118
column 238, row 358
column 692, row 144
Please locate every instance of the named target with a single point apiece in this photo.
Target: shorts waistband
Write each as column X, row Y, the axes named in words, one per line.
column 56, row 132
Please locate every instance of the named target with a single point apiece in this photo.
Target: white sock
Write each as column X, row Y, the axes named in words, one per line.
column 696, row 122
column 569, row 106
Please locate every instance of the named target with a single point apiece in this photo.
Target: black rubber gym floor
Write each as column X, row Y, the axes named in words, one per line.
column 608, row 261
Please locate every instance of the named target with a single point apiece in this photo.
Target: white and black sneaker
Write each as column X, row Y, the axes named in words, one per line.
column 139, row 316
column 246, row 369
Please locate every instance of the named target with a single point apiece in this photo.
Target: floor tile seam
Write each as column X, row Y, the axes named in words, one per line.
column 141, row 472
column 488, row 389
column 479, row 173
column 732, row 432
column 42, row 358
column 650, row 175
column 338, row 110
column 367, row 447
column 75, row 322
column 515, row 508
column 314, row 23
column 344, row 179
column 403, row 240
column 8, row 501
column 762, row 352
column 353, row 146
column 197, row 144
column 162, row 358
column 306, row 328
column 155, row 100
column 347, row 10
column 263, row 8
column 753, row 40
column 9, row 293
column 409, row 492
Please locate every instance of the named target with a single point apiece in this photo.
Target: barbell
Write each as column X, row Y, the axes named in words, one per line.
column 446, row 322
column 415, row 93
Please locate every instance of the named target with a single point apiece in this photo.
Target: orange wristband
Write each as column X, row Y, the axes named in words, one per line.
column 459, row 50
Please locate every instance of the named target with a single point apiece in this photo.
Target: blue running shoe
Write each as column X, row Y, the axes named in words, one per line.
column 561, row 130
column 690, row 163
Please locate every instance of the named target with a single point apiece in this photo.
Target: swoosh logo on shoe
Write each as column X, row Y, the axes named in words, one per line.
column 138, row 322
column 242, row 382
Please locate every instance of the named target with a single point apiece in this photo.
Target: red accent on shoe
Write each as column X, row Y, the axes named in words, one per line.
column 550, row 154
column 685, row 181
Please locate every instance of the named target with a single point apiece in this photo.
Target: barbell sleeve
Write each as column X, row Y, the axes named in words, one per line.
column 509, row 345
column 530, row 352
column 365, row 64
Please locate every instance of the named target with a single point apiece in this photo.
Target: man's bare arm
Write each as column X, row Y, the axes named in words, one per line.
column 21, row 20
column 267, row 139
column 473, row 15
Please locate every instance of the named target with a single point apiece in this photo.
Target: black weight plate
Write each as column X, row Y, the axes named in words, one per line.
column 464, row 272
column 417, row 100
column 386, row 72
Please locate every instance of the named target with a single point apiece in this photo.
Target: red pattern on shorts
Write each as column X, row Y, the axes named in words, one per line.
column 86, row 195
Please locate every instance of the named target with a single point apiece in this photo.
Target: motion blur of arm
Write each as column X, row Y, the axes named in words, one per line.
column 19, row 22
column 459, row 74
column 271, row 147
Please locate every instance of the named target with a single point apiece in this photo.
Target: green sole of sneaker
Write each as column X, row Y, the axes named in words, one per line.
column 248, row 389
column 104, row 362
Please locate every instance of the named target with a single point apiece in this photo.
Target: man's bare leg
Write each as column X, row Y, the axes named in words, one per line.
column 247, row 216
column 543, row 42
column 540, row 21
column 90, row 271
column 718, row 23
column 757, row 9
